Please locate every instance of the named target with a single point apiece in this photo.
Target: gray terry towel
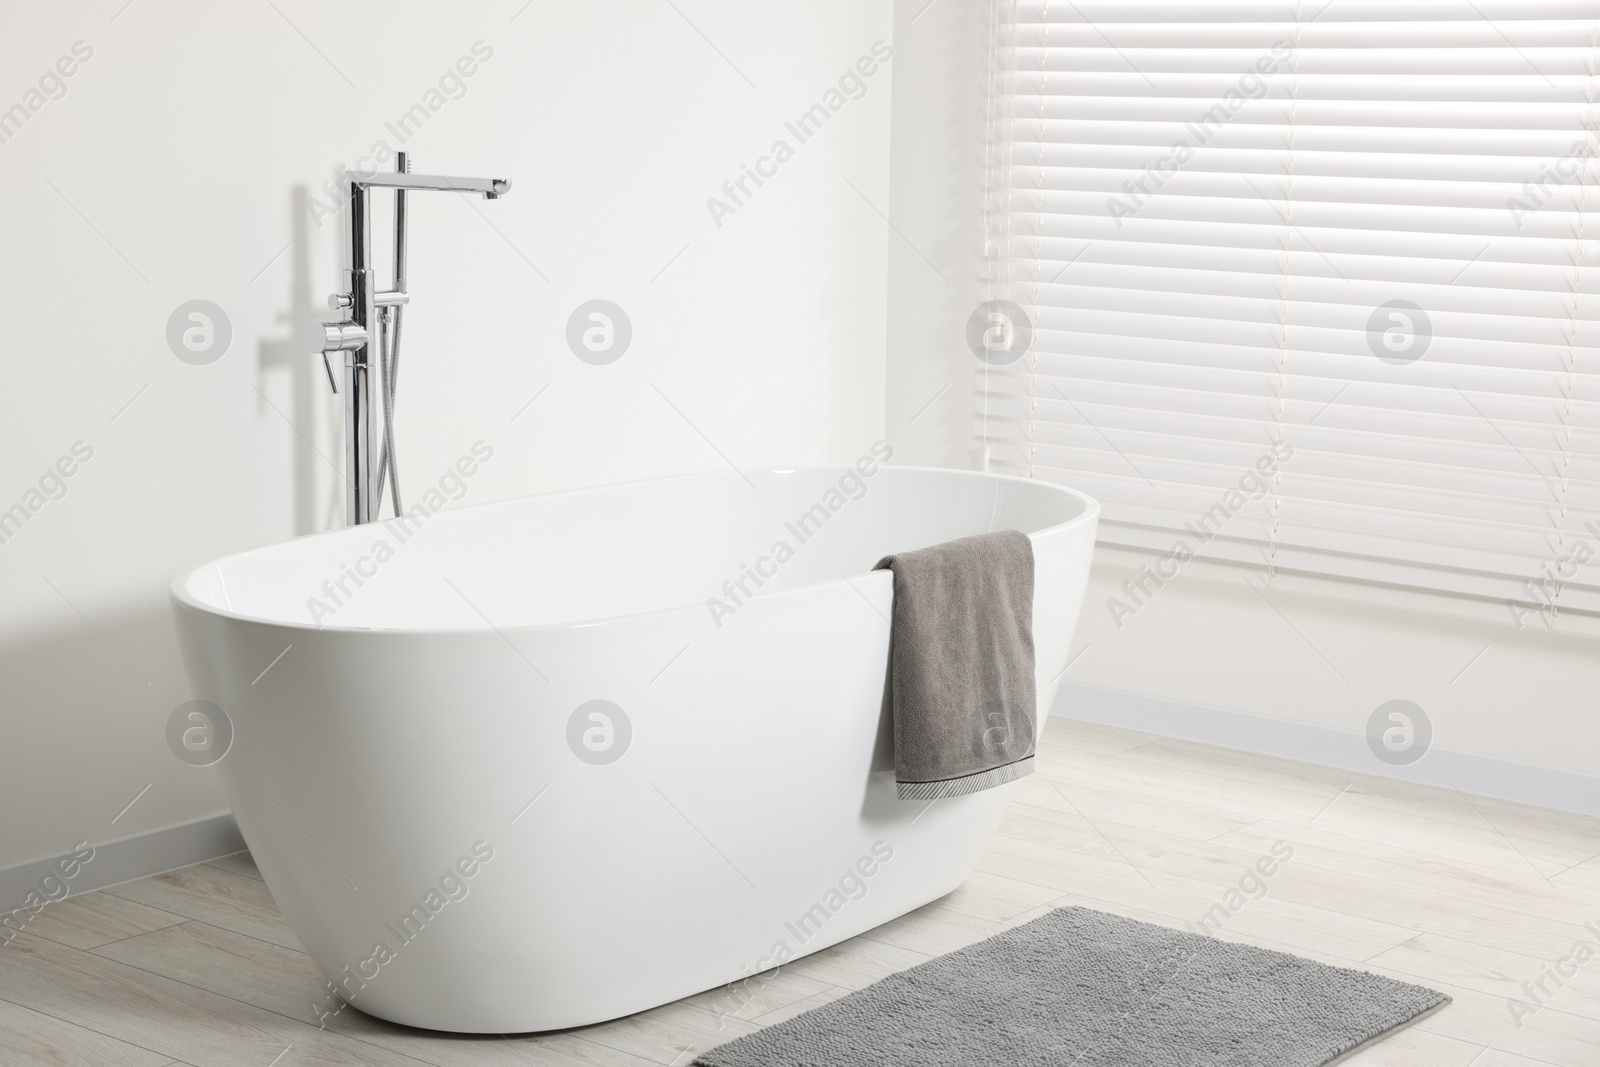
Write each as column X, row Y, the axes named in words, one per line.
column 961, row 686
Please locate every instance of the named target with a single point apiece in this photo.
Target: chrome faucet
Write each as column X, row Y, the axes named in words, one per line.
column 373, row 312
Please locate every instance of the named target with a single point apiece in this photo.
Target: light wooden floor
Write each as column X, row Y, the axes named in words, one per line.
column 1468, row 895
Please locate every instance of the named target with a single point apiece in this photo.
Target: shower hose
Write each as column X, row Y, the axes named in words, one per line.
column 389, row 364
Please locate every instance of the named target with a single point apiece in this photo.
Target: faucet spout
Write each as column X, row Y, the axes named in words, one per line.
column 488, row 188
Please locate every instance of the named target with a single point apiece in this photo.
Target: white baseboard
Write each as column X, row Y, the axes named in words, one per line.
column 1470, row 772
column 123, row 859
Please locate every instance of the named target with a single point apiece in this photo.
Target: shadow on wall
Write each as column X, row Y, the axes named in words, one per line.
column 58, row 681
column 274, row 355
column 55, row 680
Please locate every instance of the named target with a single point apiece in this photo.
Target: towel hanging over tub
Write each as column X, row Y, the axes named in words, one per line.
column 961, row 685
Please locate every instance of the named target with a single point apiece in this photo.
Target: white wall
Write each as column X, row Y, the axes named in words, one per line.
column 1529, row 696
column 178, row 165
column 1525, row 695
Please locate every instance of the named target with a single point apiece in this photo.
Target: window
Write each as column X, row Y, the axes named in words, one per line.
column 1308, row 290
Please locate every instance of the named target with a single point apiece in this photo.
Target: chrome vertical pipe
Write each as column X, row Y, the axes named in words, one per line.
column 402, row 164
column 360, row 471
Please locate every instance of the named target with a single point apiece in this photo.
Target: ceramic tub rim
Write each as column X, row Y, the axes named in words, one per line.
column 182, row 597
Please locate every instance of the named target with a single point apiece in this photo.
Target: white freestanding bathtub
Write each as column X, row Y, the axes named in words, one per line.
column 528, row 774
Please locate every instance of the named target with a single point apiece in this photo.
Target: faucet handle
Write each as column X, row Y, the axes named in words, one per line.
column 325, row 337
column 340, row 301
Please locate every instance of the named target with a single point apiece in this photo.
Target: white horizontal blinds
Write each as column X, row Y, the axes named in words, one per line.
column 1220, row 212
column 999, row 103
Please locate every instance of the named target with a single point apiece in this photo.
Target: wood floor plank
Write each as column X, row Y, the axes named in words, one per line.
column 238, row 863
column 1521, row 821
column 285, row 982
column 933, row 931
column 194, row 1026
column 1079, row 736
column 1503, row 974
column 1103, row 877
column 856, row 963
column 91, row 919
column 1209, row 872
column 1483, row 845
column 1585, row 877
column 1451, row 879
column 1493, row 1057
column 1187, row 904
column 1190, row 757
column 1100, row 803
column 998, row 899
column 671, row 1034
column 246, row 969
column 1552, row 1036
column 827, row 996
column 1422, row 908
column 1241, row 796
column 1219, row 862
column 218, row 897
column 1413, row 1047
column 758, row 996
column 32, row 1039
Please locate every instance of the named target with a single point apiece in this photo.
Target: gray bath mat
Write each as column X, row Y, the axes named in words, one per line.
column 1084, row 988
